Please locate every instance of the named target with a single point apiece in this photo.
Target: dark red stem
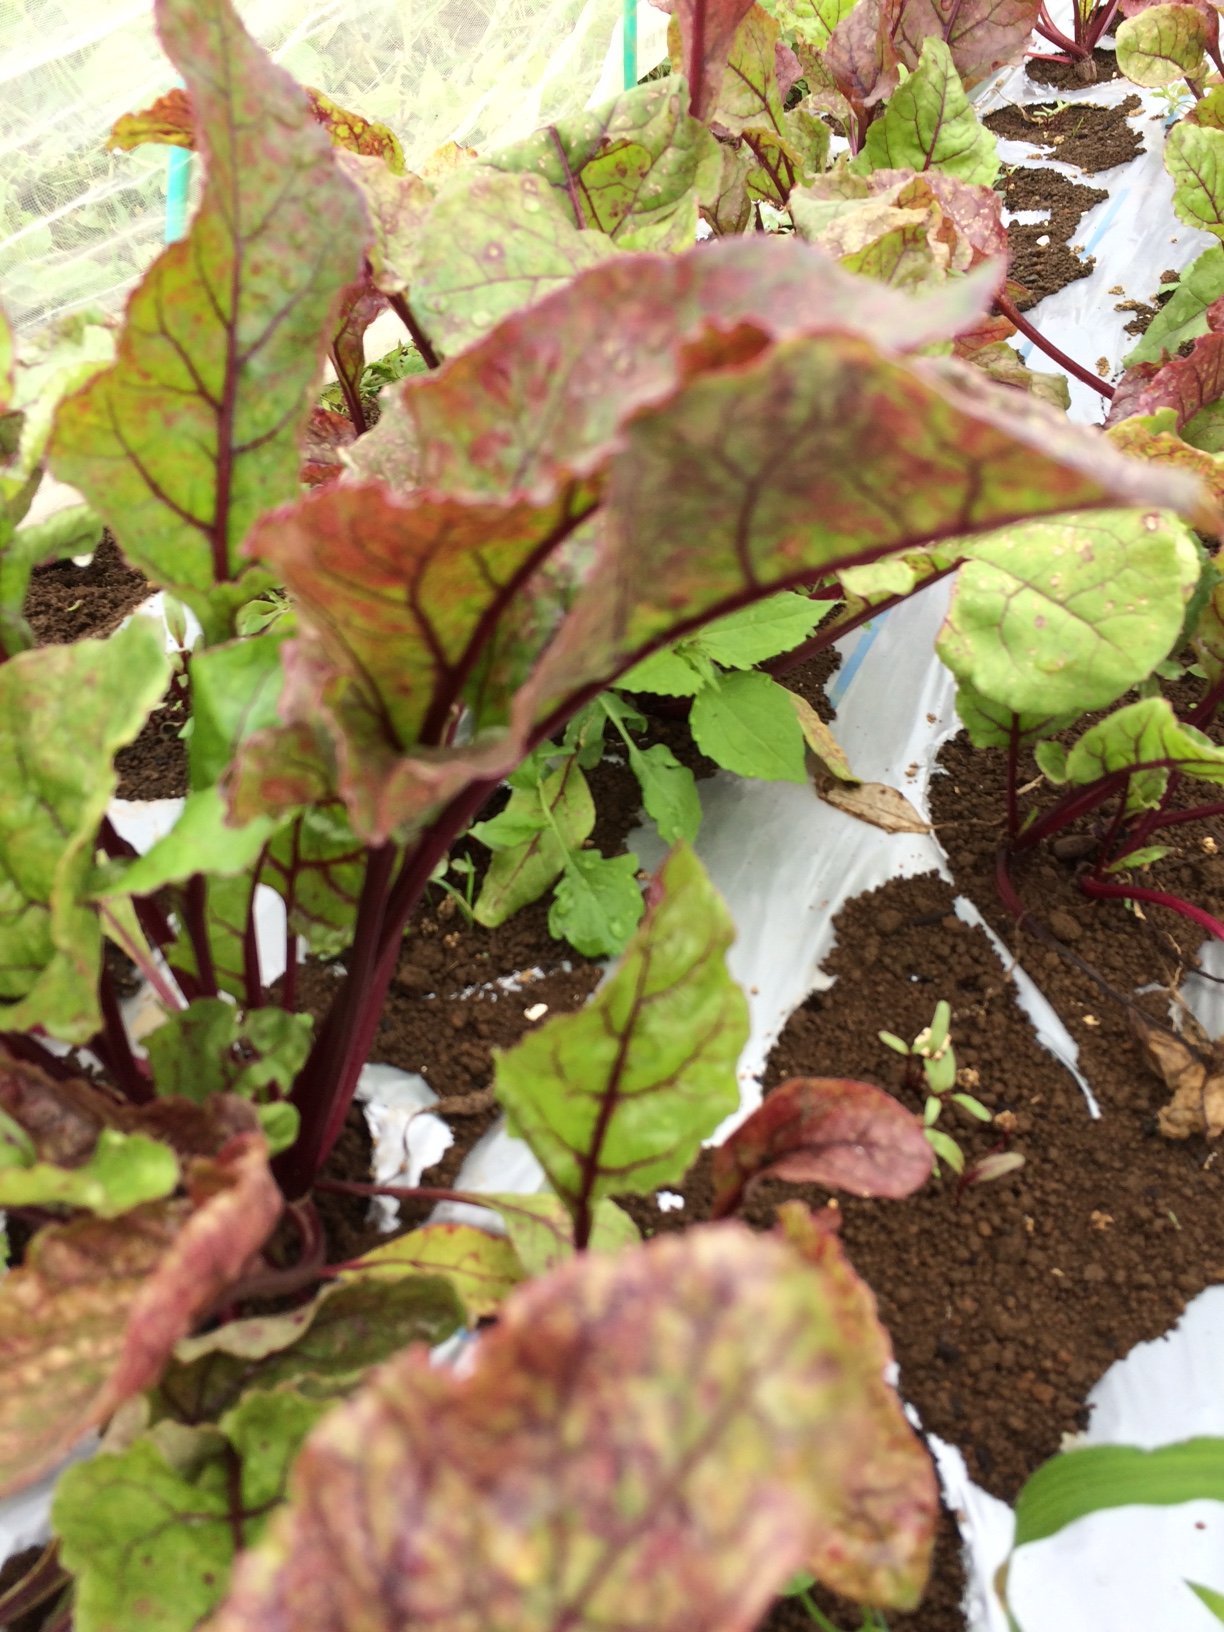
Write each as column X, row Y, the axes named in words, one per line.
column 352, row 396
column 1009, row 309
column 1156, row 898
column 399, row 305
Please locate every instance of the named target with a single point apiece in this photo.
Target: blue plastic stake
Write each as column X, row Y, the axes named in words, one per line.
column 630, row 56
column 178, row 186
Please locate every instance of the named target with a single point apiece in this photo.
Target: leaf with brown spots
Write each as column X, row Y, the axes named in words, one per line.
column 653, row 1441
column 91, row 1316
column 831, row 1131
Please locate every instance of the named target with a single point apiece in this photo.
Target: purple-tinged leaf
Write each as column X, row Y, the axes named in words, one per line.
column 654, row 1439
column 878, row 1548
column 707, row 30
column 482, row 1268
column 861, row 56
column 325, row 434
column 831, row 1131
column 92, row 1315
column 982, row 34
column 618, row 1097
column 360, row 304
column 1187, row 385
column 193, row 433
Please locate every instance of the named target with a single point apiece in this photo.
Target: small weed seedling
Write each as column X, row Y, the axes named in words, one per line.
column 800, row 1587
column 937, row 1075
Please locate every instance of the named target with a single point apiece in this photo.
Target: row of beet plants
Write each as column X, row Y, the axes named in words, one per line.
column 633, row 463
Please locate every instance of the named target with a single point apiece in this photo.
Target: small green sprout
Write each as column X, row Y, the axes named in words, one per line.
column 800, row 1586
column 933, row 1047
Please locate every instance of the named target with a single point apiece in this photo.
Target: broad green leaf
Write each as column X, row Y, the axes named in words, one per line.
column 761, row 631
column 492, row 244
column 1194, row 157
column 1096, row 1478
column 211, row 1047
column 989, row 723
column 1184, row 315
column 597, row 904
column 1162, row 44
column 673, row 672
column 542, row 1231
column 747, row 724
column 320, row 1349
column 317, row 865
column 151, row 1539
column 124, row 1171
column 482, row 1268
column 811, row 21
column 929, row 123
column 830, row 1131
column 619, row 1096
column 202, row 841
column 982, row 34
column 226, row 909
column 711, row 1384
column 559, row 815
column 90, row 1317
column 235, row 691
column 193, row 433
column 64, row 711
column 633, row 168
column 1143, row 734
column 1066, row 616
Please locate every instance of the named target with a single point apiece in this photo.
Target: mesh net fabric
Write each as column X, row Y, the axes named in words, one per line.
column 78, row 224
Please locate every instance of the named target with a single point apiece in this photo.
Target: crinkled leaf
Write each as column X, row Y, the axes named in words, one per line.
column 597, row 904
column 747, row 724
column 820, row 740
column 1139, row 438
column 557, row 816
column 619, row 1096
column 811, row 21
column 151, row 1539
column 633, row 168
column 1144, row 738
column 876, row 1548
column 90, row 1317
column 831, row 1131
column 491, row 244
column 1184, row 315
column 726, row 206
column 1065, row 616
column 1187, row 385
column 321, row 1349
column 544, row 397
column 360, row 304
column 861, row 56
column 876, row 803
column 171, row 122
column 482, row 1268
column 930, row 124
column 211, row 1047
column 700, row 1386
column 808, row 418
column 749, row 99
column 64, row 711
column 982, row 34
column 707, row 33
column 193, row 433
column 327, row 433
column 542, row 1231
column 1162, row 44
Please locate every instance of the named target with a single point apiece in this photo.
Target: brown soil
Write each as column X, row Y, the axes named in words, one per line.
column 1091, row 137
column 1045, row 268
column 1145, row 310
column 155, row 765
column 1063, row 75
column 66, row 602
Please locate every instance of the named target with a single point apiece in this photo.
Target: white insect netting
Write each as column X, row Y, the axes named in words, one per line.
column 78, row 224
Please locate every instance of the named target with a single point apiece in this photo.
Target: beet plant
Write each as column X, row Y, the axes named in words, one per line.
column 621, row 442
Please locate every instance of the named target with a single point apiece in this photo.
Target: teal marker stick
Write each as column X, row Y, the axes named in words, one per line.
column 178, row 186
column 630, row 25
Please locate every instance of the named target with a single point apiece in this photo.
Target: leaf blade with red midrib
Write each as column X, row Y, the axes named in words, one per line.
column 830, row 1131
column 193, row 433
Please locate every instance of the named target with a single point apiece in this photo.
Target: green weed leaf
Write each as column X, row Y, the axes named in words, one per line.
column 597, row 904
column 619, row 1096
column 193, row 433
column 761, row 631
column 747, row 724
column 532, row 841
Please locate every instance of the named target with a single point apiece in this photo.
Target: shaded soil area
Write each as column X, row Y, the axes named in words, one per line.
column 1070, row 76
column 155, row 765
column 1092, row 137
column 67, row 602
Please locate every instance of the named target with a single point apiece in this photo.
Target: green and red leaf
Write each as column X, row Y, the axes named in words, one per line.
column 831, row 1131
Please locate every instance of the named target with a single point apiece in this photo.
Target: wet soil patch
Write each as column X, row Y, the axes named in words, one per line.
column 1069, row 76
column 66, row 602
column 155, row 765
column 1041, row 255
